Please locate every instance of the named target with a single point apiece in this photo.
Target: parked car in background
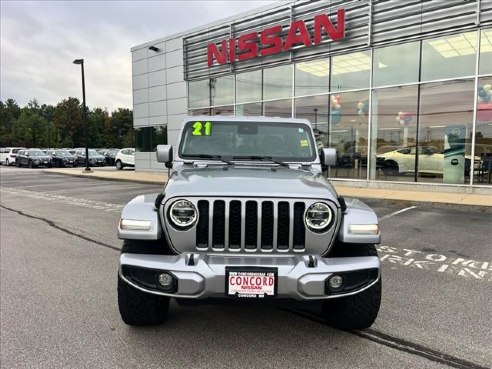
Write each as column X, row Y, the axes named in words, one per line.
column 9, row 154
column 95, row 159
column 33, row 158
column 125, row 158
column 62, row 158
column 109, row 155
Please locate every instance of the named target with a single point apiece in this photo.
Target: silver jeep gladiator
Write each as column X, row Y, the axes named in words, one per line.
column 248, row 214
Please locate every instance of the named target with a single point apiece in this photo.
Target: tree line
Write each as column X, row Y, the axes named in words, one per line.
column 48, row 126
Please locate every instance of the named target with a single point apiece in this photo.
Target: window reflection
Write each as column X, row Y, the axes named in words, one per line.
column 249, row 86
column 449, row 57
column 279, row 108
column 393, row 128
column 198, row 93
column 397, row 64
column 277, row 82
column 312, row 77
column 147, row 138
column 350, row 71
column 486, row 52
column 483, row 135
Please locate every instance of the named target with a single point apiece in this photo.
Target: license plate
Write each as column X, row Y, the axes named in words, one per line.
column 251, row 282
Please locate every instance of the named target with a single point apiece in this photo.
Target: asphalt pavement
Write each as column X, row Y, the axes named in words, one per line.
column 463, row 198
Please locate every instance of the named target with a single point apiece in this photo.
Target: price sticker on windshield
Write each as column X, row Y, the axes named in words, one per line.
column 202, row 129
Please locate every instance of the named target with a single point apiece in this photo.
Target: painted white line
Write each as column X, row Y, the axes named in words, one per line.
column 396, row 213
column 67, row 200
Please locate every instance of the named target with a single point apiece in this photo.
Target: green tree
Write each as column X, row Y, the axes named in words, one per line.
column 9, row 113
column 68, row 124
column 118, row 130
column 96, row 122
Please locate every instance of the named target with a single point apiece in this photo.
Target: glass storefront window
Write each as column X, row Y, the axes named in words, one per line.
column 249, row 86
column 159, row 136
column 486, row 52
column 279, row 108
column 396, row 65
column 249, row 109
column 350, row 71
column 393, row 132
column 147, row 138
column 449, row 57
column 315, row 109
column 446, row 121
column 348, row 133
column 277, row 82
column 222, row 90
column 222, row 110
column 198, row 93
column 312, row 77
column 483, row 135
column 143, row 140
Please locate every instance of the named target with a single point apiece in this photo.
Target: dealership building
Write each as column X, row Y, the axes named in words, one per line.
column 402, row 89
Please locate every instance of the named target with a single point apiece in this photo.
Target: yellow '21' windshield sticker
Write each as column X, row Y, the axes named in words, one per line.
column 201, row 129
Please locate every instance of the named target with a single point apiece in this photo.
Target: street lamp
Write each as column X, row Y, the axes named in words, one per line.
column 81, row 62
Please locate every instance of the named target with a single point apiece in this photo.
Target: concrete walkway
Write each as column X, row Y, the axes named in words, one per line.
column 481, row 201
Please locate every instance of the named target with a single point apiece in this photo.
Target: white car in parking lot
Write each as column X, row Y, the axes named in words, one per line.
column 125, row 158
column 8, row 155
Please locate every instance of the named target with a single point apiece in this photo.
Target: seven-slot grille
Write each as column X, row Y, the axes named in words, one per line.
column 251, row 225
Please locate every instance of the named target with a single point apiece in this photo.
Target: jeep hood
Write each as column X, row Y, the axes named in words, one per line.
column 234, row 181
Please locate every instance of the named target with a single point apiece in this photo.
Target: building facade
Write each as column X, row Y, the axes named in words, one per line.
column 402, row 89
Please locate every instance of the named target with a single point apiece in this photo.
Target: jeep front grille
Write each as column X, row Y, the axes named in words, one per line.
column 250, row 225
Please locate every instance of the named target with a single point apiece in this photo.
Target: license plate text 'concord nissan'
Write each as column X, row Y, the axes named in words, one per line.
column 248, row 214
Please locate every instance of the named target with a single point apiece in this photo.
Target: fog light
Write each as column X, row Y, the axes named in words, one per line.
column 165, row 280
column 335, row 282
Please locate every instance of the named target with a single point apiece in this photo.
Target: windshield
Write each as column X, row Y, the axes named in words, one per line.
column 248, row 141
column 63, row 153
column 93, row 152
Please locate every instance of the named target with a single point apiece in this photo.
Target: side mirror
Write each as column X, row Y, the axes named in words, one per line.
column 329, row 157
column 165, row 155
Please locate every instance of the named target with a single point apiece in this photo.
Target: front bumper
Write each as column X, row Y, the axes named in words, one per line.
column 200, row 276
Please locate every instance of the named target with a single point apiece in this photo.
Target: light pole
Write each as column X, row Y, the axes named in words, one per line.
column 81, row 62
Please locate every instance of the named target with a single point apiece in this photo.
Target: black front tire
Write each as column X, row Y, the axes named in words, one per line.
column 119, row 165
column 30, row 164
column 141, row 308
column 358, row 311
column 137, row 307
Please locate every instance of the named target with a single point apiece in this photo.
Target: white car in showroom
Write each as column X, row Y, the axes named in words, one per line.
column 431, row 161
column 125, row 158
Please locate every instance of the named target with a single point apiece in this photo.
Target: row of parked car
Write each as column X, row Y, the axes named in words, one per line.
column 32, row 158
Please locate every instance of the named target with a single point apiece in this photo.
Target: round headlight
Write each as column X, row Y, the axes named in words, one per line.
column 183, row 214
column 318, row 216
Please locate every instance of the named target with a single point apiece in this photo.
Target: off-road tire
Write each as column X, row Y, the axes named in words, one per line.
column 141, row 308
column 137, row 307
column 358, row 311
column 119, row 165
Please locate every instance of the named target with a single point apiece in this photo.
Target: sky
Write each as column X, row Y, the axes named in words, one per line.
column 39, row 40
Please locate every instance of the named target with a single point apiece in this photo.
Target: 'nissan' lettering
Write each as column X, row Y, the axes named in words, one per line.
column 269, row 41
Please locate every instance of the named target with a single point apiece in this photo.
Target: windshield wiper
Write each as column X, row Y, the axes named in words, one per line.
column 261, row 158
column 212, row 157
